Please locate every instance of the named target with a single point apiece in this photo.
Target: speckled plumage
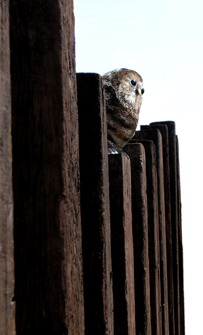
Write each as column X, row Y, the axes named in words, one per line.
column 123, row 102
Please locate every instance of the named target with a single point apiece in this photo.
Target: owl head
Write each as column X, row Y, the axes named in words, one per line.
column 128, row 87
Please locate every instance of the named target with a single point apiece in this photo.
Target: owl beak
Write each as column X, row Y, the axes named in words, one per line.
column 139, row 91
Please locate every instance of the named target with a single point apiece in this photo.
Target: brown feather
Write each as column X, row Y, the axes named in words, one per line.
column 123, row 104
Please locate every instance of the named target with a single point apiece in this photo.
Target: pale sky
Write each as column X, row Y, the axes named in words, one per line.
column 163, row 41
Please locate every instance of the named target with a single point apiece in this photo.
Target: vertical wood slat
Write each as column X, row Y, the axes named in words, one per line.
column 174, row 220
column 153, row 226
column 140, row 237
column 122, row 244
column 7, row 305
column 95, row 212
column 181, row 274
column 163, row 128
column 155, row 136
column 48, row 248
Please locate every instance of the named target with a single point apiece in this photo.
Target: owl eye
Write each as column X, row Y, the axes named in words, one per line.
column 133, row 82
column 142, row 90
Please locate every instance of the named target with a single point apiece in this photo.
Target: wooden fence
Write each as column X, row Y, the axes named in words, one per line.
column 90, row 243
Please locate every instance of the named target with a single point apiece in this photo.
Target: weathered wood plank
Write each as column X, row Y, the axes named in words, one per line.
column 153, row 229
column 48, row 248
column 140, row 237
column 95, row 211
column 155, row 136
column 122, row 244
column 7, row 305
column 174, row 219
column 181, row 273
column 163, row 128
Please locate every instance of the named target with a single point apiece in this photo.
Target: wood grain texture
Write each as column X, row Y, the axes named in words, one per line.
column 155, row 136
column 48, row 246
column 136, row 153
column 122, row 244
column 163, row 128
column 7, row 305
column 153, row 230
column 95, row 210
column 174, row 219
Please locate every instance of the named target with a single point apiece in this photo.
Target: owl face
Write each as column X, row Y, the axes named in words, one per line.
column 130, row 91
column 128, row 86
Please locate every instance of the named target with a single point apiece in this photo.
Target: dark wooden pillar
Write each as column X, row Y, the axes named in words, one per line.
column 140, row 237
column 174, row 219
column 155, row 136
column 122, row 244
column 95, row 211
column 181, row 273
column 153, row 231
column 163, row 128
column 7, row 305
column 48, row 248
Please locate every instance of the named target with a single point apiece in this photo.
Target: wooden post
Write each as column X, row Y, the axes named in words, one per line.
column 7, row 305
column 174, row 220
column 122, row 244
column 153, row 226
column 155, row 136
column 95, row 211
column 163, row 128
column 181, row 274
column 140, row 237
column 48, row 248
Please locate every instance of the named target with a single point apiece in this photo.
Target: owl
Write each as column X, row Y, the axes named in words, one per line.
column 124, row 91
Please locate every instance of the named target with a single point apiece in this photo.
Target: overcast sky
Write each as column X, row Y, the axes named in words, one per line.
column 163, row 41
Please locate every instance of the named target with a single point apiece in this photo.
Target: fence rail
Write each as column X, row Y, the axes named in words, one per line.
column 97, row 238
